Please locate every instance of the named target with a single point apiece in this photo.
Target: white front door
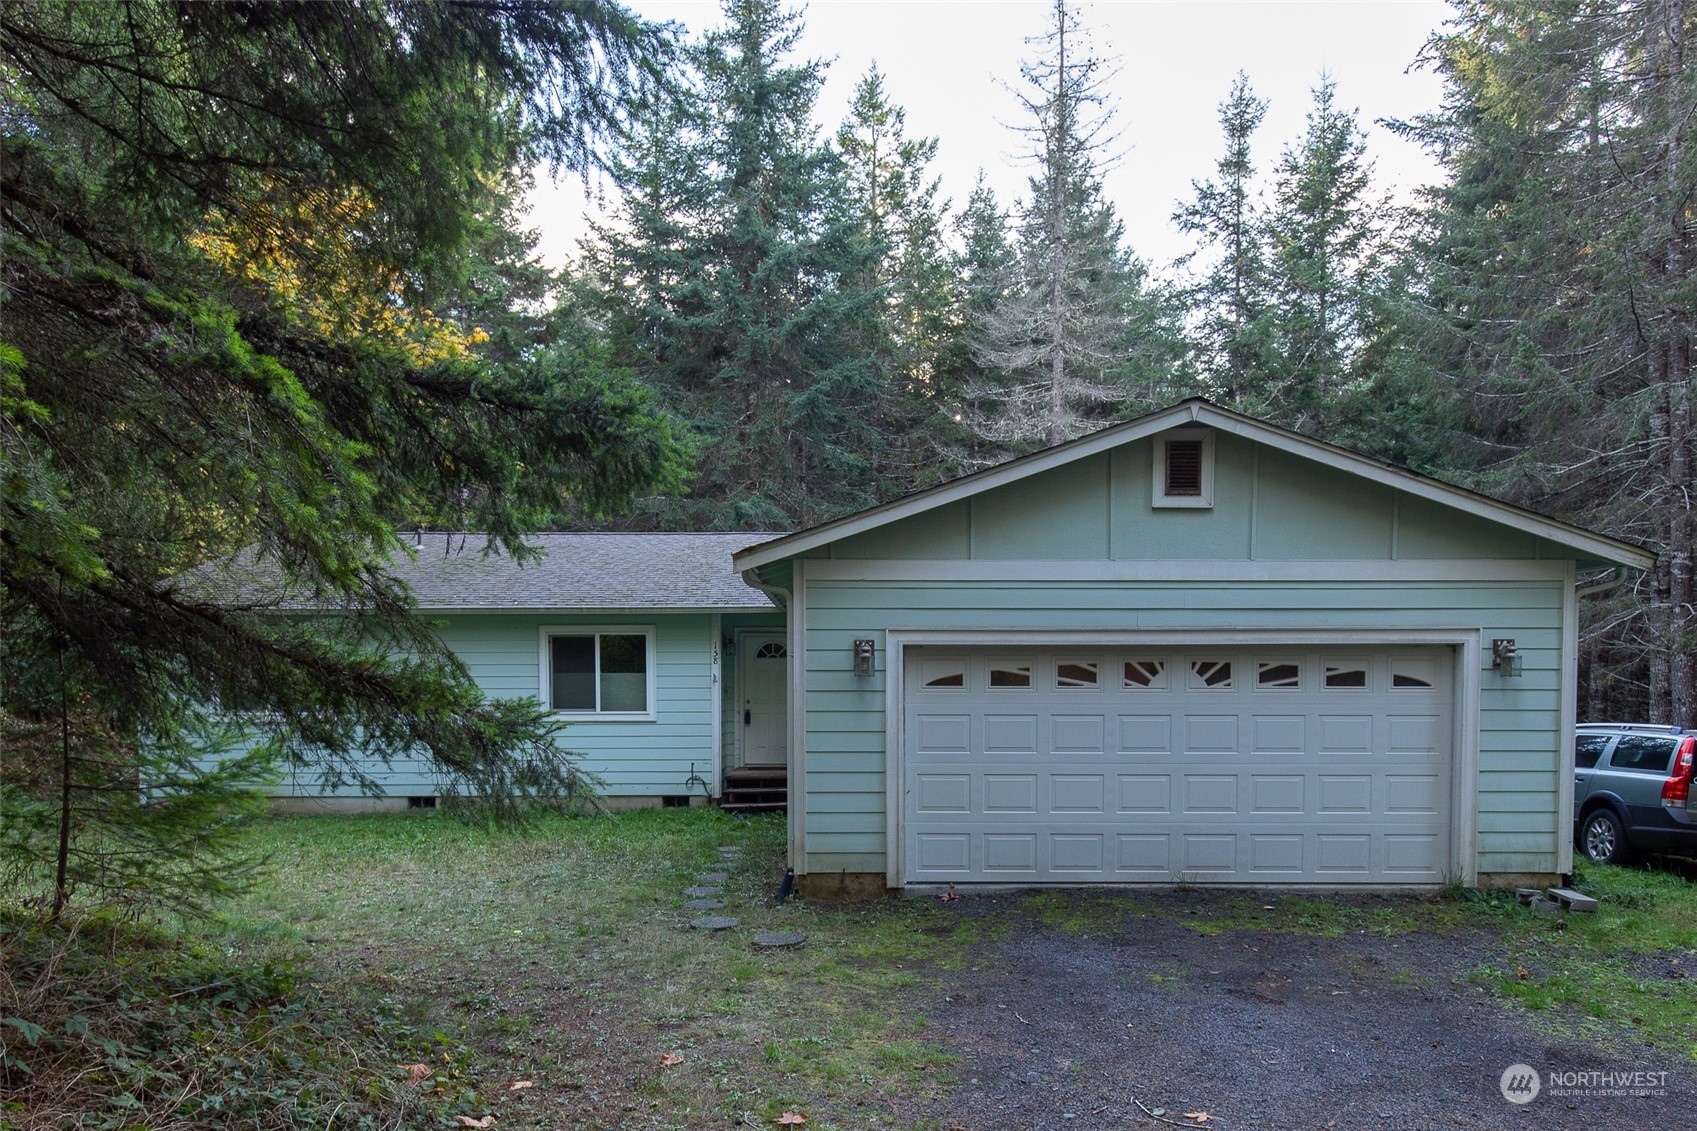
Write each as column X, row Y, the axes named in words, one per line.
column 762, row 686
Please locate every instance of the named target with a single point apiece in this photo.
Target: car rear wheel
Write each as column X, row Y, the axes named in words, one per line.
column 1603, row 839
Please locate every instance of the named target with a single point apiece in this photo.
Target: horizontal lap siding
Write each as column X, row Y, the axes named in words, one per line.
column 1519, row 740
column 631, row 758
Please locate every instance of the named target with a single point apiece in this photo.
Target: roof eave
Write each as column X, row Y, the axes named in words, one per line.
column 1595, row 547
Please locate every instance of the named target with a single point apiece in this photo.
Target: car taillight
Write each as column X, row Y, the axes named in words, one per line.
column 1678, row 785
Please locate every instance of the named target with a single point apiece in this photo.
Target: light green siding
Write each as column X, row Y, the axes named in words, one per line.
column 1269, row 506
column 1519, row 735
column 642, row 758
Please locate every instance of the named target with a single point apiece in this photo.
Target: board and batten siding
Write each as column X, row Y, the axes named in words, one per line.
column 1290, row 545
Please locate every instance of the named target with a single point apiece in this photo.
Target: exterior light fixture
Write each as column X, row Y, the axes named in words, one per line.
column 863, row 652
column 1505, row 658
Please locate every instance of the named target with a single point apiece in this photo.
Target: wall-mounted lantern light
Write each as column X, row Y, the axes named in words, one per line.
column 1505, row 658
column 863, row 652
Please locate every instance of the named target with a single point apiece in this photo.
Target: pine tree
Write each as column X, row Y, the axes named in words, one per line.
column 1325, row 252
column 902, row 221
column 1058, row 346
column 1231, row 305
column 727, row 268
column 1563, row 271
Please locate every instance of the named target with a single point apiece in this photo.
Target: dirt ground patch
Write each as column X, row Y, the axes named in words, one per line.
column 1260, row 1029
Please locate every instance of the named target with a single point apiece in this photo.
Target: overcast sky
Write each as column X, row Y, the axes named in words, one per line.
column 948, row 64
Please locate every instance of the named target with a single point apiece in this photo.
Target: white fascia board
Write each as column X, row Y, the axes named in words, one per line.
column 1607, row 549
column 943, row 494
column 1197, row 411
column 588, row 610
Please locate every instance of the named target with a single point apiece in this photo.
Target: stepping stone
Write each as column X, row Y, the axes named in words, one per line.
column 730, row 851
column 703, row 892
column 712, row 877
column 1572, row 900
column 773, row 939
column 714, row 923
column 705, row 904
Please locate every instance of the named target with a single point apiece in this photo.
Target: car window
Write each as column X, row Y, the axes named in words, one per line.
column 1587, row 748
column 1643, row 752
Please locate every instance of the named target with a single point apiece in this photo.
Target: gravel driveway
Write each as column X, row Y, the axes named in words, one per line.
column 1260, row 1030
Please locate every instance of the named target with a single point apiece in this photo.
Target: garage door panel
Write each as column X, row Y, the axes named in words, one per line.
column 1015, row 734
column 1277, row 793
column 1082, row 733
column 1066, row 773
column 1210, row 733
column 1078, row 793
column 1210, row 793
column 1271, row 853
column 1145, row 793
column 1010, row 793
column 1152, row 733
column 1284, row 734
column 943, row 793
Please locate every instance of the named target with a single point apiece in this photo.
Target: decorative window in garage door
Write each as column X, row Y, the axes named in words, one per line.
column 1210, row 674
column 1078, row 674
column 1010, row 673
column 1346, row 674
column 1413, row 673
column 1148, row 674
column 1278, row 674
column 942, row 673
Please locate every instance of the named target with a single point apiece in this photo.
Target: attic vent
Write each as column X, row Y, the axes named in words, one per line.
column 1184, row 467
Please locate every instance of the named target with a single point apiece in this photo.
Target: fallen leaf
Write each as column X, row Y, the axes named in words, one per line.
column 416, row 1072
column 948, row 895
column 1199, row 1116
column 468, row 1121
column 792, row 1117
column 1522, row 972
column 521, row 1085
column 670, row 1059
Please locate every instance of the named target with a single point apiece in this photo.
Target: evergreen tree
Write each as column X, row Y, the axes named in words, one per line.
column 1325, row 255
column 1058, row 347
column 236, row 246
column 902, row 221
column 1231, row 304
column 736, row 235
column 1563, row 271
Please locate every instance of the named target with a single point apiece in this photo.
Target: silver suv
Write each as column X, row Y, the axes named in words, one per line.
column 1632, row 791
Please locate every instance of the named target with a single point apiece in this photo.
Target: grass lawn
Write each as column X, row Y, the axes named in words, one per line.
column 550, row 979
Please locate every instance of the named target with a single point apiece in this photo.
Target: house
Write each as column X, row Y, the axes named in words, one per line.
column 1189, row 648
column 644, row 644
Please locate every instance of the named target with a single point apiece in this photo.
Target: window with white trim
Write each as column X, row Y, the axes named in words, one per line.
column 599, row 671
column 1184, row 468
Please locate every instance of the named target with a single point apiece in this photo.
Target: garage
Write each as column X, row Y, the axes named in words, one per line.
column 1209, row 765
column 1192, row 648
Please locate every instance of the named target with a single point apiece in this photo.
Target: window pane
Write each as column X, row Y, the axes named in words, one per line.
column 1077, row 674
column 1345, row 675
column 624, row 673
column 1587, row 748
column 572, row 659
column 1010, row 674
column 1273, row 673
column 1638, row 752
column 1210, row 673
column 1145, row 673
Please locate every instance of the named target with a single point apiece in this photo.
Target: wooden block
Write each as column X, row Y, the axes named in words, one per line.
column 1572, row 900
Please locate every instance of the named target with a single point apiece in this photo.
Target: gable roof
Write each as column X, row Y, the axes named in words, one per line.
column 1589, row 546
column 605, row 572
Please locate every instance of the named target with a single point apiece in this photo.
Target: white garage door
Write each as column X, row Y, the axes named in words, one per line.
column 1261, row 765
